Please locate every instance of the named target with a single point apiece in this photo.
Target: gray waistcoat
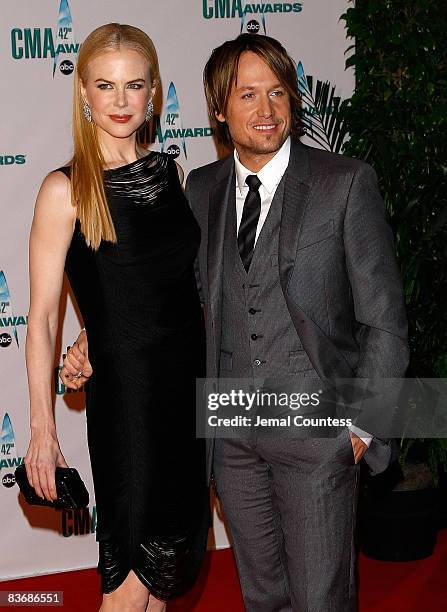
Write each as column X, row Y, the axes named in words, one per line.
column 259, row 339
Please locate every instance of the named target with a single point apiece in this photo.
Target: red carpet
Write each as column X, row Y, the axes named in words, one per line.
column 417, row 586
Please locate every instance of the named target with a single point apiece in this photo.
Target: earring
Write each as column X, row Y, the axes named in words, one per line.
column 149, row 111
column 87, row 112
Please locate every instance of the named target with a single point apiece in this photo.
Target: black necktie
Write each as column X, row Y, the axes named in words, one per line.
column 249, row 221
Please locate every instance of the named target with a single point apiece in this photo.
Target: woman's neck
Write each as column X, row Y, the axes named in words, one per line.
column 118, row 151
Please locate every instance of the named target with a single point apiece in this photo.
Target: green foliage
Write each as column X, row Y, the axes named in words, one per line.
column 432, row 451
column 397, row 121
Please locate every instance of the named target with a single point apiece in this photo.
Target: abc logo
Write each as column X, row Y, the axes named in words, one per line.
column 253, row 26
column 8, row 480
column 5, row 340
column 66, row 67
column 173, row 151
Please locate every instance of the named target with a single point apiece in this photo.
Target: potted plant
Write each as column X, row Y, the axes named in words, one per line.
column 399, row 510
column 397, row 121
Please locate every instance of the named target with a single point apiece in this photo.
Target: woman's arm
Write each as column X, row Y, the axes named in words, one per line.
column 50, row 237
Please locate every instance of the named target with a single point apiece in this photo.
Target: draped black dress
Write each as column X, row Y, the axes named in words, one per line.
column 141, row 310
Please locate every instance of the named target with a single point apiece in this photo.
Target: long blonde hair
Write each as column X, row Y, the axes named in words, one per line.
column 87, row 164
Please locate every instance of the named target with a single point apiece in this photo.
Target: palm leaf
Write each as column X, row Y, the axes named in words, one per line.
column 322, row 112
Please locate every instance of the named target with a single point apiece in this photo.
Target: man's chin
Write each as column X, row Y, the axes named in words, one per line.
column 267, row 145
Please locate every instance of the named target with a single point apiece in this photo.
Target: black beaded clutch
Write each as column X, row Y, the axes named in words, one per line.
column 71, row 491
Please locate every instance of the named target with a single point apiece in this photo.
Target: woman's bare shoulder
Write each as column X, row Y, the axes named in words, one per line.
column 54, row 196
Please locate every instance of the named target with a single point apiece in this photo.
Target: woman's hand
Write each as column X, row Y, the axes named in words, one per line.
column 41, row 459
column 76, row 368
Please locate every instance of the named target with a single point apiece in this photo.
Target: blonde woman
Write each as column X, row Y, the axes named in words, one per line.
column 116, row 219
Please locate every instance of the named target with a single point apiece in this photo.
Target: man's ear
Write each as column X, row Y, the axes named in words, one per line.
column 220, row 117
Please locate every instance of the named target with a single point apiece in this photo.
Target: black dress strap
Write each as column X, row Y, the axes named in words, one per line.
column 66, row 170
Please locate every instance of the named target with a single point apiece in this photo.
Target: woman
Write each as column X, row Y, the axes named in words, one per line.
column 117, row 220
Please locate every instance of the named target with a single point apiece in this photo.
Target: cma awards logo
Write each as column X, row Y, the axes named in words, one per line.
column 8, row 320
column 9, row 459
column 9, row 160
column 169, row 129
column 78, row 522
column 246, row 12
column 37, row 43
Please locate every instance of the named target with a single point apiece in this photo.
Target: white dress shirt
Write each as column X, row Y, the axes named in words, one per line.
column 270, row 176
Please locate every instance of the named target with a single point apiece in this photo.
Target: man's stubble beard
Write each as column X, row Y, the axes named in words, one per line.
column 270, row 145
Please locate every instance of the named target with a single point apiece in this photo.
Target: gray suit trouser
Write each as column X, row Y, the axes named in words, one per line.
column 290, row 506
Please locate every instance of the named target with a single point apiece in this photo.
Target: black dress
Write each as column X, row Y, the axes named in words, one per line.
column 140, row 306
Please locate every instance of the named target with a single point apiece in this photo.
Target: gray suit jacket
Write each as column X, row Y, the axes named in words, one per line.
column 337, row 268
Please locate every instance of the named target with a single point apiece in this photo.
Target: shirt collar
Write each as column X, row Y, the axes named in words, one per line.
column 270, row 174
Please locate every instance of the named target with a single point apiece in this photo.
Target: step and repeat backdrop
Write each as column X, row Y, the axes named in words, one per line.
column 39, row 42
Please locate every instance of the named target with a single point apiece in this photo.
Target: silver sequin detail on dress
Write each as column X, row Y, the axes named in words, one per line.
column 142, row 181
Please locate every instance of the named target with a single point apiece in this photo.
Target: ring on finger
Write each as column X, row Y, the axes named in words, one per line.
column 79, row 374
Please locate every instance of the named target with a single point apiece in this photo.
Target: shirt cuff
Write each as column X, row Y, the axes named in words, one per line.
column 363, row 435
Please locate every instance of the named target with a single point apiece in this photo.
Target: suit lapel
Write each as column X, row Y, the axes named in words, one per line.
column 325, row 358
column 221, row 196
column 296, row 194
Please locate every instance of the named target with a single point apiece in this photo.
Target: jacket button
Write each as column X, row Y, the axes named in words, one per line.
column 257, row 362
column 254, row 336
column 252, row 311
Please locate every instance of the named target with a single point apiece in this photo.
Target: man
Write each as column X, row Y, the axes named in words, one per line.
column 298, row 278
